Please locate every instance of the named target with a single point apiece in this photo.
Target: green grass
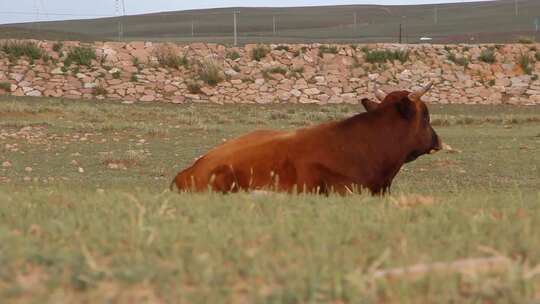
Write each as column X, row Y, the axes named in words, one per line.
column 382, row 56
column 233, row 55
column 18, row 49
column 277, row 70
column 487, row 56
column 282, row 48
column 459, row 60
column 6, row 86
column 58, row 46
column 525, row 62
column 118, row 235
column 167, row 57
column 526, row 40
column 325, row 49
column 259, row 52
column 80, row 55
column 210, row 72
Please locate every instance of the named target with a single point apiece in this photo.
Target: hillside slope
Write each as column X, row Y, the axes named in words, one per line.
column 492, row 21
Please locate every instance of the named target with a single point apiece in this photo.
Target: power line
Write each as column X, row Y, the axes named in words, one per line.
column 53, row 14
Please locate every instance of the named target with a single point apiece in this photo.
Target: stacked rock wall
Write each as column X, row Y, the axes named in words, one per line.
column 132, row 72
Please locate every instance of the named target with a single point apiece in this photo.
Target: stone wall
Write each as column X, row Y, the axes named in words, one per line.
column 131, row 72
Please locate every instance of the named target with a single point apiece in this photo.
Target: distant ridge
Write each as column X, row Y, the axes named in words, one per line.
column 491, row 21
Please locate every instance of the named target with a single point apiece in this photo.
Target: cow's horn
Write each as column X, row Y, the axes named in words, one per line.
column 379, row 93
column 418, row 94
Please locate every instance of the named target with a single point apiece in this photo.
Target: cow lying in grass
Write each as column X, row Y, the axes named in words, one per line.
column 365, row 151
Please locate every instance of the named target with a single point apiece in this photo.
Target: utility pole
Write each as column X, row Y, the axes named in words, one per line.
column 274, row 25
column 516, row 7
column 123, row 16
column 120, row 18
column 355, row 20
column 235, row 28
column 436, row 16
column 192, row 28
column 400, row 33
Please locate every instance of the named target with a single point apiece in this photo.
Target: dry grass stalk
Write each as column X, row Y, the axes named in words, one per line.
column 412, row 201
column 474, row 266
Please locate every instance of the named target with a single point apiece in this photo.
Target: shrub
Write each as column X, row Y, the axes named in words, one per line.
column 248, row 79
column 278, row 70
column 233, row 55
column 210, row 72
column 534, row 77
column 526, row 40
column 487, row 56
column 194, row 87
column 99, row 90
column 17, row 49
column 116, row 75
column 167, row 57
column 297, row 72
column 324, row 49
column 525, row 62
column 57, row 46
column 259, row 52
column 381, row 56
column 282, row 48
column 6, row 86
column 462, row 60
column 80, row 55
column 537, row 56
column 134, row 78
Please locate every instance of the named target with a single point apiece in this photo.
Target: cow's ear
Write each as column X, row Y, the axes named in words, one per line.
column 406, row 108
column 369, row 105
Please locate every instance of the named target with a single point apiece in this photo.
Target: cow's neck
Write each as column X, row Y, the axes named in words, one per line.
column 388, row 135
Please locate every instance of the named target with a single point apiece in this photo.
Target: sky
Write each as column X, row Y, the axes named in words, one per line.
column 45, row 10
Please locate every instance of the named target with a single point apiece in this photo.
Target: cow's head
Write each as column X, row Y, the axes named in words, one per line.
column 411, row 108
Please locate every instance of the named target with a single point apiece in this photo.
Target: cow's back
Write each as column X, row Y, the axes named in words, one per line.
column 231, row 165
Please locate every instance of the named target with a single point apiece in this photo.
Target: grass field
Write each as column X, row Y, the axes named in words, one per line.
column 86, row 215
column 473, row 22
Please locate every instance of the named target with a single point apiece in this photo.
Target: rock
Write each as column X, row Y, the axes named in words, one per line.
column 208, row 91
column 231, row 72
column 147, row 98
column 34, row 93
column 6, row 164
column 305, row 100
column 296, row 93
column 312, row 91
column 57, row 71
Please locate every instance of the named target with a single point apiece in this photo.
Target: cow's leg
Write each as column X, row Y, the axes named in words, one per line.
column 223, row 179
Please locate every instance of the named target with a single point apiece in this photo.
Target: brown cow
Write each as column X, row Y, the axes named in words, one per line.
column 363, row 151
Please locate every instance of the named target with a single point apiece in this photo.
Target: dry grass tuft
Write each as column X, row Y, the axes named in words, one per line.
column 411, row 201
